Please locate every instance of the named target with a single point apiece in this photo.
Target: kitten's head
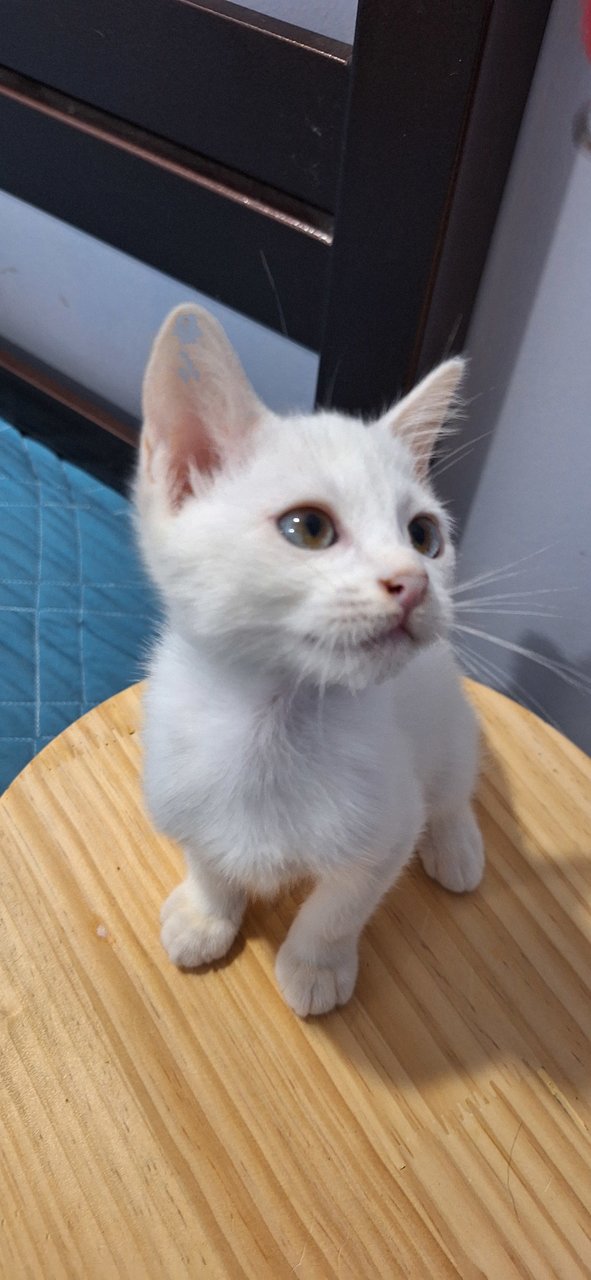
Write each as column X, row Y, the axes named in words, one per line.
column 310, row 544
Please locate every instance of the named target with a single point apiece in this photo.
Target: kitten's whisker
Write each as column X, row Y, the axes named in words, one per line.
column 426, row 432
column 509, row 612
column 453, row 333
column 455, row 455
column 269, row 276
column 423, row 425
column 417, row 440
column 439, row 470
column 333, row 378
column 487, row 581
column 466, row 663
column 562, row 669
column 491, row 574
column 492, row 671
column 503, row 596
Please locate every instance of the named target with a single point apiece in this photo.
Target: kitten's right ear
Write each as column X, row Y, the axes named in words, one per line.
column 418, row 418
column 198, row 404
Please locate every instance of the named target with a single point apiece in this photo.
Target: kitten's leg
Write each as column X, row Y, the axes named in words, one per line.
column 452, row 851
column 201, row 917
column 317, row 965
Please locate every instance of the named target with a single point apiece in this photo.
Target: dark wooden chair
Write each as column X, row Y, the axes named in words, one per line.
column 344, row 196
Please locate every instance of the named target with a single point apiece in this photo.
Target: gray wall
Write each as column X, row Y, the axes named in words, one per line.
column 525, row 490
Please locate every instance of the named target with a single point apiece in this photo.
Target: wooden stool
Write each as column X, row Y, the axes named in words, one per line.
column 163, row 1124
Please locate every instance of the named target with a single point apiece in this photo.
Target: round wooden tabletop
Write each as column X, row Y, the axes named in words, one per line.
column 162, row 1124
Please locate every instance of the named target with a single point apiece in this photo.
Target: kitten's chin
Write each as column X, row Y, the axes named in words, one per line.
column 357, row 669
column 290, row 660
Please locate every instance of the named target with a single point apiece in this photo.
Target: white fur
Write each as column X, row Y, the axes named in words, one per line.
column 284, row 736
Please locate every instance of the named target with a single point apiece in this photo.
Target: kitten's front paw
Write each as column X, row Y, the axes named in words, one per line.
column 452, row 852
column 190, row 937
column 315, row 988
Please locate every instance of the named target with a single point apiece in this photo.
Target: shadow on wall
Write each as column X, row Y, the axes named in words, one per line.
column 520, row 492
column 544, row 689
column 536, row 191
column 538, row 675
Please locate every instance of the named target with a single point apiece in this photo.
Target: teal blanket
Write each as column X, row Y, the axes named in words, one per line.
column 76, row 612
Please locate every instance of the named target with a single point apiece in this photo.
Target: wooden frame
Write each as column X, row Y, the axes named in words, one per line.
column 261, row 97
column 176, row 115
column 76, row 424
column 148, row 197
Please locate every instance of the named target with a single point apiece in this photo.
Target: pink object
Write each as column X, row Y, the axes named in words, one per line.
column 410, row 590
column 586, row 27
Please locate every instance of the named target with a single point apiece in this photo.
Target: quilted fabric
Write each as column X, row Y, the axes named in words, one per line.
column 76, row 611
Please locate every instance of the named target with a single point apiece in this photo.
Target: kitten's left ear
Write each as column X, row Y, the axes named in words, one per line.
column 199, row 407
column 419, row 417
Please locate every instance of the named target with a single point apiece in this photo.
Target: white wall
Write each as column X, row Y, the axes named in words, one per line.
column 92, row 312
column 334, row 18
column 525, row 491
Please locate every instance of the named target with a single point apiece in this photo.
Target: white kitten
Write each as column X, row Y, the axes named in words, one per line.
column 303, row 714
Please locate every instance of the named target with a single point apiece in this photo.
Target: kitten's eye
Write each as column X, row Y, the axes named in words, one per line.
column 426, row 536
column 308, row 528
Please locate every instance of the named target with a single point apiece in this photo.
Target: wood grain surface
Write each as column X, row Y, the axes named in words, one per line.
column 162, row 1124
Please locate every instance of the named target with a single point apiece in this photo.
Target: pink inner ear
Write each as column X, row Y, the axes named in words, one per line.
column 198, row 403
column 193, row 449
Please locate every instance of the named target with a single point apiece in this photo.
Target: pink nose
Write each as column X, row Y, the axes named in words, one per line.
column 409, row 589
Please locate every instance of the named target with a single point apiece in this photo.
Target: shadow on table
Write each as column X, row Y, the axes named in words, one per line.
column 450, row 985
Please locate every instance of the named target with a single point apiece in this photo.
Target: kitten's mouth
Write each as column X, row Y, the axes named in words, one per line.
column 393, row 633
column 390, row 635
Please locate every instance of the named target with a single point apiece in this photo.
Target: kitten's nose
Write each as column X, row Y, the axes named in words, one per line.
column 409, row 589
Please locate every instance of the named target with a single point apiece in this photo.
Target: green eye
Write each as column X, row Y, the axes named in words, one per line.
column 426, row 536
column 308, row 528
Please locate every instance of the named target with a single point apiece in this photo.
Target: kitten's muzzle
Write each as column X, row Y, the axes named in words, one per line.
column 409, row 590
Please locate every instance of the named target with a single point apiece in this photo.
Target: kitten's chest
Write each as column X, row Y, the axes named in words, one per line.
column 267, row 787
column 289, row 791
column 292, row 764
